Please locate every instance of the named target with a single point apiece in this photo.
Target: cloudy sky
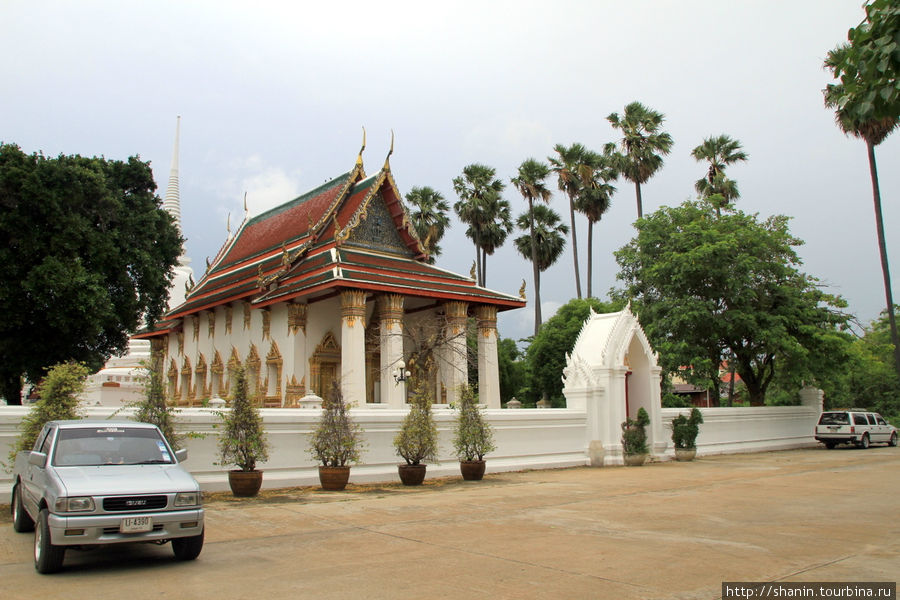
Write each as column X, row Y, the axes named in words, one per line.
column 273, row 97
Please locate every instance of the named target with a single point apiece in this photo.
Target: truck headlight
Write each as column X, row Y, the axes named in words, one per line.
column 188, row 499
column 74, row 504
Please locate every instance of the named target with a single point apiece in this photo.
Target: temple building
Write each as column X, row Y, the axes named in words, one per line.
column 331, row 286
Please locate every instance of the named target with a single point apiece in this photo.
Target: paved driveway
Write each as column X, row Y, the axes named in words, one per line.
column 670, row 530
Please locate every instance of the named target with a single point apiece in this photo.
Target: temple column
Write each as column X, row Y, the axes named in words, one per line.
column 488, row 364
column 457, row 373
column 390, row 310
column 353, row 346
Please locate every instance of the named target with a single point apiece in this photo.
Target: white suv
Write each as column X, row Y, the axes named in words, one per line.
column 857, row 426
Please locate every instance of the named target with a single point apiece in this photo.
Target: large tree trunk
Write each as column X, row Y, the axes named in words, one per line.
column 882, row 249
column 590, row 257
column 535, row 270
column 575, row 247
column 12, row 389
column 640, row 205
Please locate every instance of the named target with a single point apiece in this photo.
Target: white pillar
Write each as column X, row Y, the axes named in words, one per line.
column 353, row 346
column 390, row 309
column 457, row 354
column 488, row 363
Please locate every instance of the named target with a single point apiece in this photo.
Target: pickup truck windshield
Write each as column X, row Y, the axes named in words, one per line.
column 93, row 446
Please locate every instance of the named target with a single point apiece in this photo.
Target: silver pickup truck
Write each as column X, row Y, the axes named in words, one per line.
column 104, row 482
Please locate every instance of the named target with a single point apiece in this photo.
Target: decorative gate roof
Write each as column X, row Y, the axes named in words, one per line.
column 351, row 232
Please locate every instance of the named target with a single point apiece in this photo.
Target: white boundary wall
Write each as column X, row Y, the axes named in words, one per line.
column 525, row 439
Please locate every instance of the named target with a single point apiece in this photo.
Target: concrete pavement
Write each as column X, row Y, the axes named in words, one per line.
column 668, row 530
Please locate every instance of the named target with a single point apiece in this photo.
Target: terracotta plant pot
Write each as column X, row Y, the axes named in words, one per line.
column 472, row 470
column 334, row 479
column 685, row 454
column 635, row 460
column 411, row 474
column 245, row 483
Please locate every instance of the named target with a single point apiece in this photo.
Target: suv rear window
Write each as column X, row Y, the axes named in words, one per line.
column 834, row 419
column 860, row 419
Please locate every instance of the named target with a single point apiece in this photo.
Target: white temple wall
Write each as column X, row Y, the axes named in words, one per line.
column 525, row 438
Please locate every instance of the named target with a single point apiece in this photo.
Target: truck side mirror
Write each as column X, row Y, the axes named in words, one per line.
column 38, row 459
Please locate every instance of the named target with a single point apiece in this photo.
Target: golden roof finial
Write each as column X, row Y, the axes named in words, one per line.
column 246, row 210
column 387, row 165
column 359, row 158
column 522, row 290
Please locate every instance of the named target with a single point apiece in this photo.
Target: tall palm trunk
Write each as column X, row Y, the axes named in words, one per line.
column 575, row 246
column 535, row 270
column 640, row 204
column 882, row 249
column 590, row 257
column 483, row 268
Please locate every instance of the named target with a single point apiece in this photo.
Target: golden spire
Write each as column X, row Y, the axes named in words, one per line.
column 359, row 158
column 387, row 166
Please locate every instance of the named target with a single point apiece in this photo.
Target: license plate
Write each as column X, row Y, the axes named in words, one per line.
column 136, row 525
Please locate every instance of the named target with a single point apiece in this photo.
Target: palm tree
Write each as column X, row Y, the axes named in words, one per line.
column 543, row 246
column 594, row 199
column 479, row 200
column 642, row 143
column 567, row 166
column 531, row 184
column 719, row 152
column 497, row 225
column 429, row 218
column 854, row 116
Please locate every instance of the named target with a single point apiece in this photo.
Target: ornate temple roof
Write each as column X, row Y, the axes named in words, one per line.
column 351, row 232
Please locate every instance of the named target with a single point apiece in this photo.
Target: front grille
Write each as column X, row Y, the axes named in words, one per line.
column 134, row 503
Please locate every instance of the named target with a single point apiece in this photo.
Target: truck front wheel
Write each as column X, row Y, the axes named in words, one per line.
column 47, row 557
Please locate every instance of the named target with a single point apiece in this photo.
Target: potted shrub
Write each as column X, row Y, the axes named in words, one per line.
column 472, row 437
column 336, row 442
column 417, row 439
column 242, row 442
column 634, row 438
column 684, row 434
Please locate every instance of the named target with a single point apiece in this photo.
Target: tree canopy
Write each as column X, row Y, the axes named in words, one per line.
column 711, row 288
column 547, row 352
column 86, row 253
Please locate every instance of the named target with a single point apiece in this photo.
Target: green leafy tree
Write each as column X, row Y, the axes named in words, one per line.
column 709, row 289
column 513, row 370
column 59, row 394
column 86, row 253
column 719, row 151
column 871, row 381
column 546, row 355
column 481, row 207
column 642, row 147
column 544, row 245
column 866, row 105
column 243, row 441
column 429, row 216
column 569, row 165
column 531, row 183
